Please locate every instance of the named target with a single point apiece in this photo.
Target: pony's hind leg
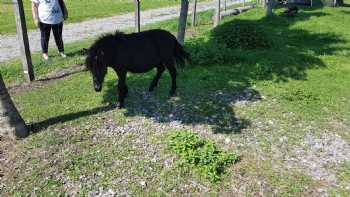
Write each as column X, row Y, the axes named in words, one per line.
column 154, row 83
column 172, row 70
column 122, row 89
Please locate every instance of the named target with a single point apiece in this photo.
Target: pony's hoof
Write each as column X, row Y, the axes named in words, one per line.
column 121, row 106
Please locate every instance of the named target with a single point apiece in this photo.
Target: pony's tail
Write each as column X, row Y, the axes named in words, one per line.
column 181, row 56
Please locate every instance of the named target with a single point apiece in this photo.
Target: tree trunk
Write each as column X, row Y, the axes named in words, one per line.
column 11, row 122
column 182, row 21
column 194, row 13
column 270, row 5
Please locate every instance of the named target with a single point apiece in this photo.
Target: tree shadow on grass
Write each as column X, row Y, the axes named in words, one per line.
column 293, row 51
column 75, row 53
column 346, row 11
column 38, row 126
column 223, row 77
column 347, row 5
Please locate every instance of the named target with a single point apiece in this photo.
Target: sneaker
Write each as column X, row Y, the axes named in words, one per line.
column 45, row 56
column 63, row 55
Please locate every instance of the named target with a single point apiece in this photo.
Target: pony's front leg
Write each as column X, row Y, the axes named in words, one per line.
column 122, row 89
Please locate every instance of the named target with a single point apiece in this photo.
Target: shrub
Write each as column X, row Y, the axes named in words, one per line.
column 205, row 53
column 240, row 34
column 201, row 154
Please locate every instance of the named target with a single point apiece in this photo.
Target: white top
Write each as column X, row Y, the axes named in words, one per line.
column 49, row 11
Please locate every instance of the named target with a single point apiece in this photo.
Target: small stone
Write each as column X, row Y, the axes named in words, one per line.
column 283, row 139
column 110, row 191
column 143, row 183
column 227, row 140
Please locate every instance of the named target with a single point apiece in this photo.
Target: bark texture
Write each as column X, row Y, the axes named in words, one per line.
column 11, row 122
column 182, row 21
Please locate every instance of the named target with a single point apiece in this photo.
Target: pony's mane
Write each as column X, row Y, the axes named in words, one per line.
column 107, row 40
column 119, row 34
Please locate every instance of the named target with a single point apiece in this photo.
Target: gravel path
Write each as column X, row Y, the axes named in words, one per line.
column 9, row 47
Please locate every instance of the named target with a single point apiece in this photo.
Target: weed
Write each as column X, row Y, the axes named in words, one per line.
column 201, row 154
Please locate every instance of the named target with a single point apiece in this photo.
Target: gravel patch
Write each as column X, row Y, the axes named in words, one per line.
column 148, row 121
column 214, row 109
column 319, row 156
column 105, row 193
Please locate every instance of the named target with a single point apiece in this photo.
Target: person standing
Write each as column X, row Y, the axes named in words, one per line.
column 47, row 15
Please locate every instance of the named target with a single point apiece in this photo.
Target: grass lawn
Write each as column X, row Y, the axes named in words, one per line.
column 78, row 10
column 282, row 109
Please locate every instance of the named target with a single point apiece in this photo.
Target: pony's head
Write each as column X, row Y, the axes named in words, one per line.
column 100, row 55
column 98, row 69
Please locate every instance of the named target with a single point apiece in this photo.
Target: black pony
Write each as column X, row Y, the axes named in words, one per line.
column 136, row 53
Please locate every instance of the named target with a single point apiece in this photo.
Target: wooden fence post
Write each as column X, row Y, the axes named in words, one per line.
column 182, row 22
column 194, row 13
column 137, row 15
column 217, row 14
column 23, row 40
column 269, row 9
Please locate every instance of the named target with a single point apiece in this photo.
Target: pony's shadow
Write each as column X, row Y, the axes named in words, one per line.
column 198, row 104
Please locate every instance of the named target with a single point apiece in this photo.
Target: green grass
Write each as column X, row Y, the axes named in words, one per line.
column 78, row 10
column 303, row 79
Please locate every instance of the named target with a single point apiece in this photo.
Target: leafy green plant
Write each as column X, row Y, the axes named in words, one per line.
column 240, row 34
column 203, row 155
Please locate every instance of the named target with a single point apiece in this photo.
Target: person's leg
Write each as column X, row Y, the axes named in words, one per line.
column 57, row 32
column 45, row 37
